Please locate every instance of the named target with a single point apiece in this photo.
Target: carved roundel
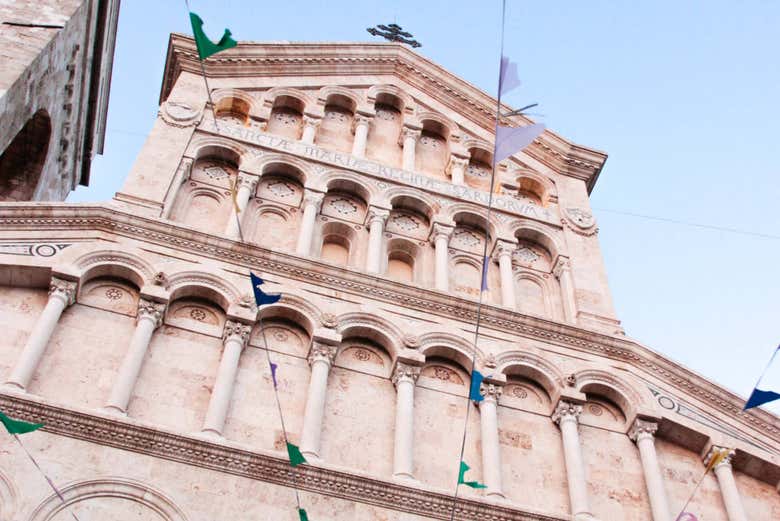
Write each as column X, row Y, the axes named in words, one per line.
column 580, row 220
column 179, row 114
column 343, row 206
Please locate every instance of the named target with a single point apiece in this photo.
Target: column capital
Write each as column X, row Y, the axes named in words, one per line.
column 377, row 214
column 236, row 331
column 408, row 133
column 312, row 198
column 457, row 162
column 403, row 372
column 63, row 289
column 715, row 450
column 361, row 120
column 311, row 121
column 504, row 247
column 566, row 411
column 246, row 180
column 491, row 392
column 321, row 352
column 441, row 230
column 642, row 429
column 185, row 167
column 148, row 309
column 562, row 263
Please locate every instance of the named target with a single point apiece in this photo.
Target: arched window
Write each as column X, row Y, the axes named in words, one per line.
column 335, row 131
column 234, row 110
column 530, row 297
column 401, row 260
column 335, row 249
column 22, row 161
column 480, row 169
column 383, row 143
column 432, row 152
column 205, row 201
column 530, row 190
column 286, row 117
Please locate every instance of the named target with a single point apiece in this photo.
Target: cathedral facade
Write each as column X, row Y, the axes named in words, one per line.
column 354, row 179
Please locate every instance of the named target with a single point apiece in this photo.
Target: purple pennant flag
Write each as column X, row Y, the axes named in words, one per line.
column 510, row 140
column 484, row 274
column 273, row 373
column 507, row 78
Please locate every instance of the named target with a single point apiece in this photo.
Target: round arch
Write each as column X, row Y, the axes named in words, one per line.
column 627, row 396
column 538, row 233
column 204, row 285
column 374, row 328
column 85, row 262
column 376, row 93
column 451, row 347
column 533, row 367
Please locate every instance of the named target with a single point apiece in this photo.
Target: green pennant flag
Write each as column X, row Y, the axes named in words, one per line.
column 18, row 426
column 296, row 458
column 462, row 480
column 205, row 46
column 302, row 515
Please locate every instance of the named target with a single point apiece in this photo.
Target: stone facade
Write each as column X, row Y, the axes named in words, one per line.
column 55, row 73
column 360, row 172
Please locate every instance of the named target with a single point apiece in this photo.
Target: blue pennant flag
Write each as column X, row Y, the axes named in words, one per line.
column 476, row 382
column 274, row 367
column 262, row 298
column 765, row 395
column 485, row 265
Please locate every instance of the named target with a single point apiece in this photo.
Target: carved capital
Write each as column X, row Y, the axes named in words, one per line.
column 236, row 331
column 408, row 134
column 642, row 429
column 440, row 230
column 504, row 248
column 63, row 289
column 457, row 162
column 150, row 310
column 715, row 450
column 185, row 168
column 246, row 181
column 405, row 373
column 360, row 120
column 322, row 353
column 314, row 199
column 562, row 264
column 566, row 411
column 491, row 392
column 377, row 215
column 311, row 122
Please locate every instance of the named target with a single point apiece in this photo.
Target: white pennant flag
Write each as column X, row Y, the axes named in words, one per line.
column 510, row 140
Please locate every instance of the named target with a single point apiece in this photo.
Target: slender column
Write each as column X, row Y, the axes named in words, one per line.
column 565, row 415
column 311, row 206
column 643, row 434
column 728, row 487
column 360, row 125
column 409, row 142
column 235, row 338
column 246, row 185
column 457, row 169
column 404, row 377
column 321, row 360
column 503, row 252
column 491, row 449
column 148, row 318
column 376, row 226
column 562, row 271
column 182, row 174
column 61, row 295
column 310, row 126
column 441, row 238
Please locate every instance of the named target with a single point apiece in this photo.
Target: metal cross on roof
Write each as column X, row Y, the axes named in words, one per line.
column 394, row 33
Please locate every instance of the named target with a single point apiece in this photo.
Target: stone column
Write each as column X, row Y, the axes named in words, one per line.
column 491, row 390
column 311, row 206
column 441, row 238
column 179, row 178
column 503, row 251
column 643, row 434
column 565, row 415
column 376, row 226
column 404, row 377
column 360, row 124
column 310, row 126
column 62, row 294
column 409, row 138
column 245, row 186
column 148, row 318
column 235, row 337
column 728, row 487
column 321, row 359
column 562, row 271
column 458, row 167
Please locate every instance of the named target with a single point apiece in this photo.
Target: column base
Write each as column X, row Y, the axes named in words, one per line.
column 210, row 434
column 406, row 479
column 13, row 387
column 495, row 495
column 113, row 409
column 311, row 457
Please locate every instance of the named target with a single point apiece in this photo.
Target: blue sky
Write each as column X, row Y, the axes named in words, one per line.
column 683, row 96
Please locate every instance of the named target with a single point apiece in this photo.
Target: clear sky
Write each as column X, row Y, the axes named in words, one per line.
column 683, row 96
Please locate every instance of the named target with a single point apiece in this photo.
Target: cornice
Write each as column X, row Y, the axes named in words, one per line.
column 230, row 458
column 253, row 59
column 37, row 217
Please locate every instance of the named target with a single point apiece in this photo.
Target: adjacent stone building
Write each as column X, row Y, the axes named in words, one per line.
column 55, row 73
column 361, row 174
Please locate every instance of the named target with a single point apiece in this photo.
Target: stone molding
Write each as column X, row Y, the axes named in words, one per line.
column 151, row 310
column 97, row 217
column 642, row 429
column 125, row 434
column 63, row 289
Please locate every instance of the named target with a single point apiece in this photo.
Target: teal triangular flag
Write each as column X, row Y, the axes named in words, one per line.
column 205, row 46
column 296, row 458
column 476, row 382
column 462, row 477
column 302, row 515
column 18, row 426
